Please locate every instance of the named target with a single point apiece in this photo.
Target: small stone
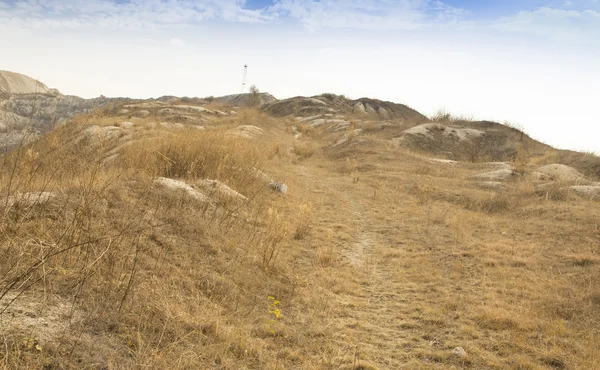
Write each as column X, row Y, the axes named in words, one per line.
column 460, row 352
column 279, row 186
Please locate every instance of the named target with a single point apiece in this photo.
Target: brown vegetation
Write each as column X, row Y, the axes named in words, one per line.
column 376, row 258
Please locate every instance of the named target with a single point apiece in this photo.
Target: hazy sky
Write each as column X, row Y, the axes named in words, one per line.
column 533, row 63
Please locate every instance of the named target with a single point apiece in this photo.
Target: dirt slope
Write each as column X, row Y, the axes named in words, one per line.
column 155, row 235
column 16, row 83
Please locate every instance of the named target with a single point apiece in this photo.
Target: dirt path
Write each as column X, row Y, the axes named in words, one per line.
column 368, row 321
column 419, row 272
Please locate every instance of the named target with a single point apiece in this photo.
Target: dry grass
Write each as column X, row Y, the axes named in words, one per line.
column 393, row 271
column 147, row 277
column 304, row 150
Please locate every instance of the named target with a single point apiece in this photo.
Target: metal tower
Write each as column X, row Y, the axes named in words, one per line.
column 245, row 78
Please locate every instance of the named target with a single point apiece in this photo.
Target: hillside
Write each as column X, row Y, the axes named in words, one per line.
column 307, row 233
column 16, row 83
column 28, row 108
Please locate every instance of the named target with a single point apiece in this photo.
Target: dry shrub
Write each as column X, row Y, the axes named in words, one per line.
column 348, row 166
column 497, row 319
column 194, row 154
column 304, row 221
column 553, row 191
column 494, row 203
column 327, row 256
column 305, row 150
column 425, row 193
column 444, row 116
column 583, row 260
column 423, row 170
column 521, row 161
column 252, row 116
column 135, row 263
column 218, row 106
column 307, row 130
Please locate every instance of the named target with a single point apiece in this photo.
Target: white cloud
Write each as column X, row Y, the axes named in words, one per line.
column 371, row 15
column 177, row 42
column 313, row 14
column 131, row 14
column 581, row 27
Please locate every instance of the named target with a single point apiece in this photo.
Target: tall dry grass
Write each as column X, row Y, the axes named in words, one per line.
column 152, row 277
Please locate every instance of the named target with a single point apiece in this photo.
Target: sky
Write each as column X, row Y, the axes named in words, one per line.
column 532, row 63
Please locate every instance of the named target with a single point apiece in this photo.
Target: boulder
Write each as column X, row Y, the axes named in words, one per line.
column 460, row 352
column 217, row 189
column 493, row 185
column 557, row 172
column 248, row 131
column 279, row 187
column 30, row 199
column 143, row 113
column 591, row 191
column 126, row 124
column 498, row 175
column 181, row 186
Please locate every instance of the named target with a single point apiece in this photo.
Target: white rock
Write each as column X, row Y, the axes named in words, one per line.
column 592, row 191
column 498, row 175
column 171, row 124
column 193, row 108
column 370, row 110
column 316, row 101
column 444, row 161
column 31, row 198
column 178, row 185
column 460, row 352
column 261, row 176
column 167, row 112
column 248, row 131
column 359, row 108
column 499, row 165
column 428, row 129
column 220, row 190
column 279, row 186
column 495, row 185
column 126, row 124
column 317, row 122
column 339, row 125
column 97, row 133
column 558, row 172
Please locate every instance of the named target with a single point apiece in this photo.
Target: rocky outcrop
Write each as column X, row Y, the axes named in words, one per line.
column 557, row 172
column 335, row 104
column 15, row 83
column 498, row 175
column 29, row 108
column 240, row 100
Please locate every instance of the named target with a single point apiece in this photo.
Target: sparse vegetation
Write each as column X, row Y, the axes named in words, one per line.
column 443, row 116
column 304, row 150
column 254, row 98
column 377, row 257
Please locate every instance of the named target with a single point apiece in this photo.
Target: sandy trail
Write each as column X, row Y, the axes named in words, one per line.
column 369, row 322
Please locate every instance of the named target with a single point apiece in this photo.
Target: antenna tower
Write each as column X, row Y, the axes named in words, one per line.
column 245, row 78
